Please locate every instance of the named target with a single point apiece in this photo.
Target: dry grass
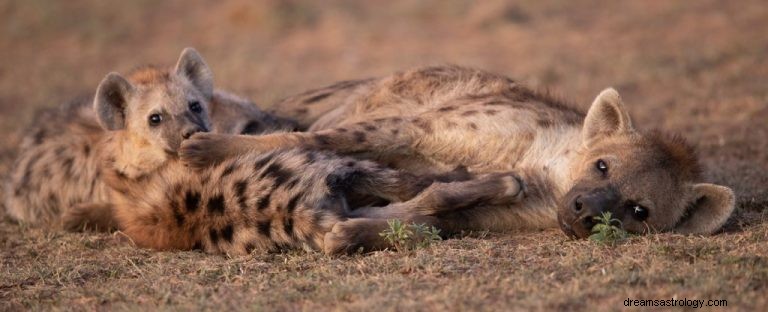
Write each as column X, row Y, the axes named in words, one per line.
column 694, row 67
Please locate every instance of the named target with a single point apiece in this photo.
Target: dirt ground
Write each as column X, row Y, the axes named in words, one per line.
column 695, row 67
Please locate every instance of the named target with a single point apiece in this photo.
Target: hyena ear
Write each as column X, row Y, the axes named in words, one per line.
column 111, row 101
column 606, row 117
column 192, row 66
column 710, row 206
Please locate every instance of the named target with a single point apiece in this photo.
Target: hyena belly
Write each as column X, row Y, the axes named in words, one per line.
column 57, row 167
column 284, row 199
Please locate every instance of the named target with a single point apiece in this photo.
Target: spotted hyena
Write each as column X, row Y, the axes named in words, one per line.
column 58, row 166
column 573, row 165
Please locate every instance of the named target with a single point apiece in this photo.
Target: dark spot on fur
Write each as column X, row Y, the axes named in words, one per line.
column 491, row 112
column 288, row 226
column 447, row 109
column 359, row 136
column 264, row 227
column 240, row 188
column 379, row 120
column 317, row 98
column 197, row 246
column 342, row 130
column 322, row 140
column 86, row 150
column 214, row 236
column 370, row 128
column 472, row 125
column 451, row 124
column 292, row 183
column 544, row 123
column 396, row 119
column 264, row 201
column 469, row 113
column 263, row 161
column 227, row 232
column 216, row 204
column 191, row 201
column 67, row 164
column 395, row 131
column 280, row 174
column 292, row 203
column 228, row 170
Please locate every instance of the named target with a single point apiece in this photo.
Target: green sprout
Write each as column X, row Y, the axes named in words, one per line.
column 404, row 236
column 606, row 231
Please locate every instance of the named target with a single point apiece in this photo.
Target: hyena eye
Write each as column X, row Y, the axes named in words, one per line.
column 155, row 119
column 601, row 166
column 640, row 213
column 194, row 106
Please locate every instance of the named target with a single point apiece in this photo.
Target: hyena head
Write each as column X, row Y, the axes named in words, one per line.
column 646, row 180
column 156, row 108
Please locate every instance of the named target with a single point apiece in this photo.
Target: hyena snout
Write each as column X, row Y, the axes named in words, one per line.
column 588, row 206
column 193, row 128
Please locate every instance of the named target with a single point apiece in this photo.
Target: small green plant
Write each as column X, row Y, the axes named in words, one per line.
column 410, row 236
column 606, row 230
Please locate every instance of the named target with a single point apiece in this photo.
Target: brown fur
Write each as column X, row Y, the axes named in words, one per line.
column 59, row 158
column 432, row 119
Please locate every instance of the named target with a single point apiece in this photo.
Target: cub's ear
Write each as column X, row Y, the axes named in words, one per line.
column 606, row 117
column 710, row 206
column 192, row 66
column 111, row 100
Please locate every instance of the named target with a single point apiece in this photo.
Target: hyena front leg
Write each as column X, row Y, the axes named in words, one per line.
column 363, row 234
column 380, row 136
column 89, row 216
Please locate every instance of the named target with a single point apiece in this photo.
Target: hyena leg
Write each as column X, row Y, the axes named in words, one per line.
column 362, row 230
column 89, row 216
column 495, row 189
column 363, row 234
column 364, row 178
column 381, row 136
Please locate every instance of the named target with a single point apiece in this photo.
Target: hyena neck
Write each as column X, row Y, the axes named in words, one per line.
column 553, row 155
column 134, row 157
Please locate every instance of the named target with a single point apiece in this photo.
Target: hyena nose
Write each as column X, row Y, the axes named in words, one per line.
column 190, row 131
column 577, row 204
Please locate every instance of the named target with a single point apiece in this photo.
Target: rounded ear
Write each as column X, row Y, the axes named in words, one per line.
column 606, row 117
column 192, row 66
column 710, row 206
column 111, row 100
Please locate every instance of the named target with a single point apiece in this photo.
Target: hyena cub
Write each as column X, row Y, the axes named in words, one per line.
column 58, row 172
column 283, row 199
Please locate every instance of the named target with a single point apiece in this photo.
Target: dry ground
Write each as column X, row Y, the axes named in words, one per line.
column 695, row 67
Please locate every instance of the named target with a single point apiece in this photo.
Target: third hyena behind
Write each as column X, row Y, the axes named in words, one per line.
column 61, row 152
column 574, row 165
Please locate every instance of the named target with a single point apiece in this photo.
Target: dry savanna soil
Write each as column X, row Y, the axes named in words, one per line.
column 698, row 68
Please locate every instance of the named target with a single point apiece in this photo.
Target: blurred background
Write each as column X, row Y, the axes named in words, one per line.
column 695, row 67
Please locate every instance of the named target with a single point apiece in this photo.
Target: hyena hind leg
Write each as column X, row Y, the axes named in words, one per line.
column 89, row 217
column 363, row 234
column 497, row 189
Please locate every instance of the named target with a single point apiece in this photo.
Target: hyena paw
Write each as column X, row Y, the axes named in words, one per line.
column 351, row 236
column 204, row 149
column 512, row 186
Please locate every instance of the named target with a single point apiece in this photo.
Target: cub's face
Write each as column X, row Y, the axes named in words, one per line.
column 156, row 108
column 648, row 181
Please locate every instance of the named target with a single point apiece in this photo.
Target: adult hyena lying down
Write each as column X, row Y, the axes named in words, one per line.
column 58, row 166
column 574, row 166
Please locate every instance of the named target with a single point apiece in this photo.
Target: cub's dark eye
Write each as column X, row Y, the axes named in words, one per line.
column 640, row 213
column 194, row 106
column 155, row 119
column 601, row 166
